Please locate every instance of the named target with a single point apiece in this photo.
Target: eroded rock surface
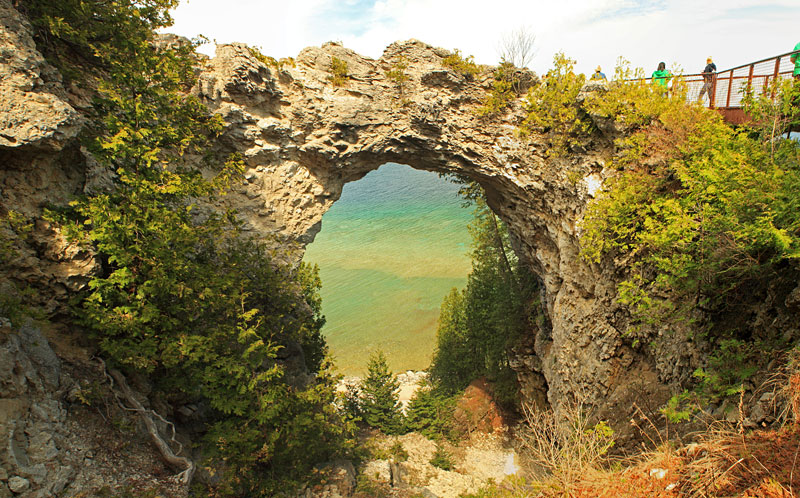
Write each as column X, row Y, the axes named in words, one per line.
column 303, row 138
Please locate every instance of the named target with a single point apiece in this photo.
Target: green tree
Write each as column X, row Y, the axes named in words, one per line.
column 185, row 298
column 430, row 412
column 380, row 400
column 481, row 323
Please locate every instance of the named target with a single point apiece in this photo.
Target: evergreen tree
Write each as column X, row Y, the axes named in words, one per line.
column 479, row 324
column 380, row 399
column 184, row 298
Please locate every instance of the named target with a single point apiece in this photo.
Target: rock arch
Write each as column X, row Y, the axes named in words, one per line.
column 303, row 138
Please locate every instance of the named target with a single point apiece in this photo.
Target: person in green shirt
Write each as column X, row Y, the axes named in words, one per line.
column 661, row 77
column 796, row 59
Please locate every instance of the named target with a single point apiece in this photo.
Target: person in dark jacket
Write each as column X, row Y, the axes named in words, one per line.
column 709, row 73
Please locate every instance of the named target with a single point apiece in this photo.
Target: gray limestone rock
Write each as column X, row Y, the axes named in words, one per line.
column 18, row 484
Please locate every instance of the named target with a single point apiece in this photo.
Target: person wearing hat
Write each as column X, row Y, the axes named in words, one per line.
column 708, row 81
column 598, row 75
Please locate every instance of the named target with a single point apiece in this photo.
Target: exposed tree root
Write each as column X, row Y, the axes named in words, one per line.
column 164, row 448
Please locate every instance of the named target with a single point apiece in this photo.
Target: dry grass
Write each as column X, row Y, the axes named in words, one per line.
column 724, row 460
column 565, row 446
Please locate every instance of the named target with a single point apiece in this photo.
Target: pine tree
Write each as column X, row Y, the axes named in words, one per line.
column 380, row 400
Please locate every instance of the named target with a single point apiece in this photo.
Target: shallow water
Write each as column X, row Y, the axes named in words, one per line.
column 390, row 249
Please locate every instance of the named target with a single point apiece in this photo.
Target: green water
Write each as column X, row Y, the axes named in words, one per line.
column 390, row 249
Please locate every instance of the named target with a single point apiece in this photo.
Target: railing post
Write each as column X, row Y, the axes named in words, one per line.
column 775, row 77
column 712, row 96
column 730, row 87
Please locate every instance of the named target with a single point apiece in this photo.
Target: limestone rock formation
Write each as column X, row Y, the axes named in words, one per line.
column 303, row 138
column 33, row 107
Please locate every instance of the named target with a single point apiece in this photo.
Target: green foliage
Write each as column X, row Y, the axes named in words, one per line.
column 442, row 459
column 733, row 362
column 706, row 210
column 631, row 100
column 398, row 453
column 552, row 107
column 479, row 325
column 380, row 403
column 185, row 297
column 503, row 91
column 76, row 34
column 398, row 75
column 458, row 63
column 430, row 413
column 338, row 75
column 271, row 61
column 369, row 487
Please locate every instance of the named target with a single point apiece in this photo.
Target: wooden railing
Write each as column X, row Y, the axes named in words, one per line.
column 729, row 86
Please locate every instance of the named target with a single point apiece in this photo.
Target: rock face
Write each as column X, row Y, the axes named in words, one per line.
column 303, row 138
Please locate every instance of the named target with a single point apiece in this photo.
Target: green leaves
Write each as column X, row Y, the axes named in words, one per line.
column 479, row 324
column 553, row 110
column 185, row 297
column 704, row 209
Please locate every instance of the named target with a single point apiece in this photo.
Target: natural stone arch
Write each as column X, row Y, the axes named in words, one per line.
column 303, row 138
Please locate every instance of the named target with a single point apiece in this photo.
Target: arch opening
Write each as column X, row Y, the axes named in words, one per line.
column 393, row 245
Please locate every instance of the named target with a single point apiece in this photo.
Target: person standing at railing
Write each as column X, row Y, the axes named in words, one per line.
column 709, row 73
column 661, row 77
column 796, row 59
column 598, row 74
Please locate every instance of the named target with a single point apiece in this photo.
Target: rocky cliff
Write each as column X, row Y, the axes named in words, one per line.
column 303, row 138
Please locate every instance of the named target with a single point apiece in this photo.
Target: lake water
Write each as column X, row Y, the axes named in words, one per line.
column 390, row 249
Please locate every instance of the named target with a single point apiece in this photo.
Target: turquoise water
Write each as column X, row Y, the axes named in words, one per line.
column 390, row 249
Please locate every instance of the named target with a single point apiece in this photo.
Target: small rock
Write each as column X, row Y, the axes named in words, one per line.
column 658, row 473
column 378, row 470
column 18, row 484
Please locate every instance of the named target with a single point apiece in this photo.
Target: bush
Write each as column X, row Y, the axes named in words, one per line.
column 707, row 210
column 430, row 413
column 339, row 75
column 566, row 445
column 464, row 66
column 503, row 91
column 398, row 75
column 442, row 459
column 553, row 110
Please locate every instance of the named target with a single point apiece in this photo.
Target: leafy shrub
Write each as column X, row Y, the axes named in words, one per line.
column 458, row 63
column 442, row 459
column 502, row 93
column 338, row 75
column 553, row 110
column 708, row 210
column 398, row 75
column 271, row 61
